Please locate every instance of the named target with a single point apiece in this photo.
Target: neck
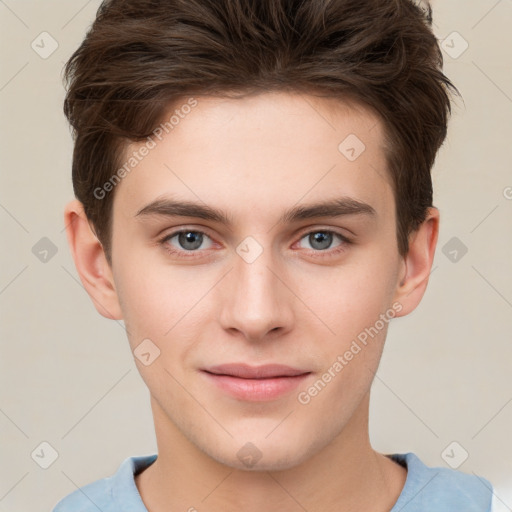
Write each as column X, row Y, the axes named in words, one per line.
column 345, row 475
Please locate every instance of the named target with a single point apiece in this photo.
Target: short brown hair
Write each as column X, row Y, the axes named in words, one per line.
column 140, row 57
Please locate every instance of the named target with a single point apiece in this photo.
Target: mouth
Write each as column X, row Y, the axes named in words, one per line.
column 255, row 383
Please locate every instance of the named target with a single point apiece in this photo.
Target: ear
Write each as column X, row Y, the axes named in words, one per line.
column 90, row 261
column 418, row 263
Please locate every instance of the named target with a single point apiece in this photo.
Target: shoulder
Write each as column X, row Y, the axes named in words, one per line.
column 441, row 489
column 92, row 497
column 111, row 494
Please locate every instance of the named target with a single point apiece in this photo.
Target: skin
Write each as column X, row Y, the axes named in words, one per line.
column 297, row 303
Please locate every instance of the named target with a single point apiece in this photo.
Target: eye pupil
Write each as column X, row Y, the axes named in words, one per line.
column 321, row 237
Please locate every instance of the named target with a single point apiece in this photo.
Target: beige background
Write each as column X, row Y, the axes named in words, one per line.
column 68, row 377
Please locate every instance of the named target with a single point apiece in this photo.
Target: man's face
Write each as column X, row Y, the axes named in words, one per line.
column 271, row 286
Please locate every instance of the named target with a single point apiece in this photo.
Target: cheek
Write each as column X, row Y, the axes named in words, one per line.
column 345, row 379
column 158, row 305
column 153, row 300
column 359, row 307
column 351, row 297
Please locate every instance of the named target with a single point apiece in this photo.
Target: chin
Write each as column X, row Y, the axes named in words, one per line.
column 262, row 456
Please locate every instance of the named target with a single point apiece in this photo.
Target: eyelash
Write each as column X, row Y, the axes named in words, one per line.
column 315, row 253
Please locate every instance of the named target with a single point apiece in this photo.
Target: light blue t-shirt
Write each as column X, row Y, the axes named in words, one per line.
column 426, row 489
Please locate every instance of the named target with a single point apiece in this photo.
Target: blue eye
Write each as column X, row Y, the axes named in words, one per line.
column 322, row 240
column 187, row 243
column 188, row 240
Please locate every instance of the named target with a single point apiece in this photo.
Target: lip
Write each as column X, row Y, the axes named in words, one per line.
column 255, row 383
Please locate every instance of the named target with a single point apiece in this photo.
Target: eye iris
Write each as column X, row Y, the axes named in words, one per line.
column 192, row 237
column 325, row 239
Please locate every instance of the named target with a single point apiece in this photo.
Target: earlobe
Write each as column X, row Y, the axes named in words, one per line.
column 90, row 261
column 418, row 263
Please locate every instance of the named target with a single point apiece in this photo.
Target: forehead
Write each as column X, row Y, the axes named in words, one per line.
column 260, row 153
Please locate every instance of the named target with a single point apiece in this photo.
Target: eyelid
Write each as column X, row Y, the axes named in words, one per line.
column 202, row 230
column 338, row 231
column 186, row 229
column 345, row 240
column 301, row 233
column 331, row 251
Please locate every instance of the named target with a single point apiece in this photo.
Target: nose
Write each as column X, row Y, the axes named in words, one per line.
column 255, row 299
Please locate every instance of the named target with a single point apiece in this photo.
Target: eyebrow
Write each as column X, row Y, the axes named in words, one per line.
column 332, row 208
